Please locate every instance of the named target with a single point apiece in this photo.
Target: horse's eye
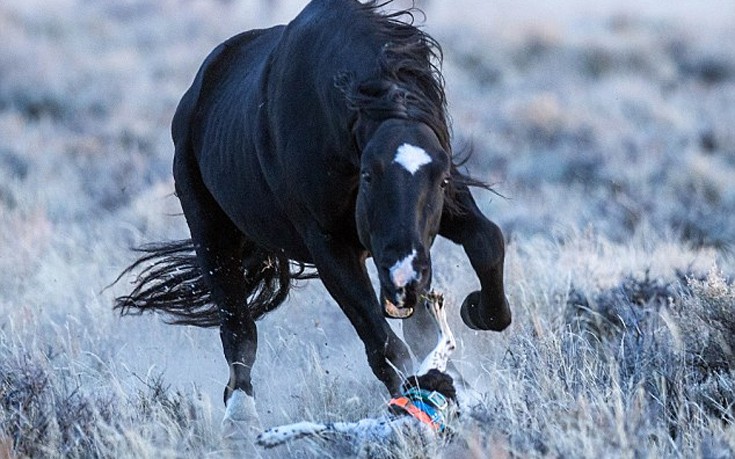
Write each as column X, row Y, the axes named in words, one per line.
column 367, row 177
column 445, row 183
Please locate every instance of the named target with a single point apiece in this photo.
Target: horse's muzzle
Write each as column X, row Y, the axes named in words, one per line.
column 401, row 304
column 402, row 284
column 396, row 312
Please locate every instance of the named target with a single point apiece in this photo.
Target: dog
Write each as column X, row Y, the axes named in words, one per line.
column 423, row 412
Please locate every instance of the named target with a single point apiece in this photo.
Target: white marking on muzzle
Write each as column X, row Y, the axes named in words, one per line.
column 411, row 157
column 402, row 272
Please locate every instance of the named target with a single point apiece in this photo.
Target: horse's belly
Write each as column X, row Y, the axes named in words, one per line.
column 271, row 229
column 244, row 196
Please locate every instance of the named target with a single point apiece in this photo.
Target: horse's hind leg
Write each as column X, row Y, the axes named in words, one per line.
column 224, row 254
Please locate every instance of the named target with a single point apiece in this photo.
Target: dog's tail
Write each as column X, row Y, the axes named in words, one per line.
column 276, row 436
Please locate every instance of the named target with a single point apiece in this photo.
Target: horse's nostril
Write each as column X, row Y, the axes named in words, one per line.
column 402, row 272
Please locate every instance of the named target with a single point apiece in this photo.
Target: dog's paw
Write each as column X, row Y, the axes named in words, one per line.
column 434, row 301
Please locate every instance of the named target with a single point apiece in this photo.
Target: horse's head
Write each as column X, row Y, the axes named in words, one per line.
column 404, row 172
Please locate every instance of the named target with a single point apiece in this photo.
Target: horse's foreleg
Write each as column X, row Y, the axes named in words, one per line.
column 342, row 270
column 483, row 243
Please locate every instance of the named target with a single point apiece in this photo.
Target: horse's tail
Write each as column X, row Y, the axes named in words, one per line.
column 171, row 282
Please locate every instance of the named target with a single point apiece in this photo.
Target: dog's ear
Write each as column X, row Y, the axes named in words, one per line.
column 433, row 380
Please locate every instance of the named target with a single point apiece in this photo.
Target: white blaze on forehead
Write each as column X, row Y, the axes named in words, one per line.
column 411, row 157
column 402, row 272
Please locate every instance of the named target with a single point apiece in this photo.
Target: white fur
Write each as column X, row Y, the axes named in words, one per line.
column 402, row 272
column 376, row 431
column 439, row 356
column 240, row 407
column 411, row 157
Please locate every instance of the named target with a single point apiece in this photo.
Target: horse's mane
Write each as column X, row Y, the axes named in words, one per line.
column 410, row 79
column 409, row 85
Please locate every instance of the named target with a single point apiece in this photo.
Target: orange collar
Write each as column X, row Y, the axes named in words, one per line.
column 414, row 411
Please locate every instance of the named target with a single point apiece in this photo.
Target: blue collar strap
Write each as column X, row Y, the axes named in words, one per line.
column 433, row 398
column 432, row 403
column 437, row 417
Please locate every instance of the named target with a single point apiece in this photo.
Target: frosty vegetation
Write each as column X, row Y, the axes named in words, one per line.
column 610, row 137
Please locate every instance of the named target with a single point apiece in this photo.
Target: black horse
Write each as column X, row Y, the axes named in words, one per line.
column 302, row 150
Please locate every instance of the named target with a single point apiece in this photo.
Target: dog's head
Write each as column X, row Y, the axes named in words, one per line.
column 430, row 397
column 433, row 380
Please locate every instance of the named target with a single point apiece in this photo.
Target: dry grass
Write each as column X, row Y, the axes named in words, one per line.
column 609, row 131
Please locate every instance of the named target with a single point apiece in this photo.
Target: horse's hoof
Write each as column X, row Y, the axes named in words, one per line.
column 479, row 315
column 241, row 421
column 394, row 312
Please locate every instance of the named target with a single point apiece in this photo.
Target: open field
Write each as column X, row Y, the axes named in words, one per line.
column 608, row 129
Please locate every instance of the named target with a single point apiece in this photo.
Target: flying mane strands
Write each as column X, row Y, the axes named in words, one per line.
column 411, row 82
column 410, row 86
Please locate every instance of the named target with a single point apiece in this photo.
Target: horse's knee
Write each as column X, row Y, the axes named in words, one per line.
column 397, row 352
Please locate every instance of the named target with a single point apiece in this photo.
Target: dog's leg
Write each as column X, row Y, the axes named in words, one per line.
column 439, row 356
